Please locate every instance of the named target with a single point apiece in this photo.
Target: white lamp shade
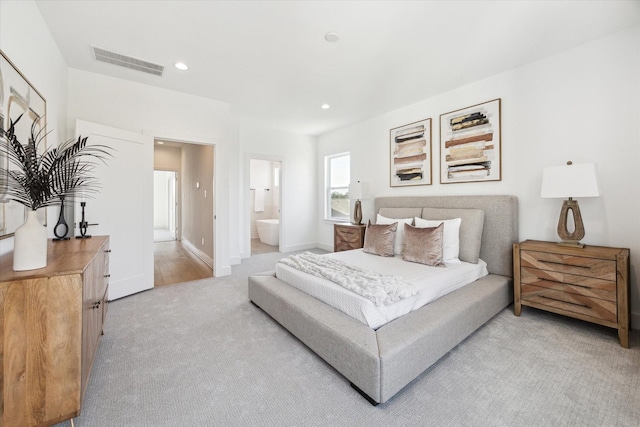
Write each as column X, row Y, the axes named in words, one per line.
column 355, row 190
column 569, row 181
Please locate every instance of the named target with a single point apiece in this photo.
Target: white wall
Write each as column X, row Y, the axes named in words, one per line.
column 581, row 105
column 298, row 204
column 38, row 58
column 167, row 115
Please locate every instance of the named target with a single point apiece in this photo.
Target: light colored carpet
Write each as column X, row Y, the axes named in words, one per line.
column 200, row 354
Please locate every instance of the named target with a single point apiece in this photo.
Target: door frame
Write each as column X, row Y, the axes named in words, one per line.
column 247, row 199
column 217, row 241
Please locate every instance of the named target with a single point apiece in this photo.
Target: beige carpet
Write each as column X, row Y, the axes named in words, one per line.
column 217, row 360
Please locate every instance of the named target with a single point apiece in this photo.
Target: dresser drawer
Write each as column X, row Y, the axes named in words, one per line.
column 570, row 302
column 571, row 264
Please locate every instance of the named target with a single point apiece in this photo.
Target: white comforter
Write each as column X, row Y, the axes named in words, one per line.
column 431, row 283
column 378, row 288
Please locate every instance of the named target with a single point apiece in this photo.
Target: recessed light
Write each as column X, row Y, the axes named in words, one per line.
column 181, row 66
column 160, row 143
column 325, row 106
column 332, row 37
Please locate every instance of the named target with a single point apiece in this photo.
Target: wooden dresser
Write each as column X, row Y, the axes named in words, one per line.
column 348, row 236
column 50, row 323
column 590, row 283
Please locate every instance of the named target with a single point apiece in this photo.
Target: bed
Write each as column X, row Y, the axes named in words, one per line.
column 380, row 362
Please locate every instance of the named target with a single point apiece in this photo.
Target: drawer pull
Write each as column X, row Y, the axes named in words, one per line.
column 96, row 304
column 108, row 251
column 107, row 275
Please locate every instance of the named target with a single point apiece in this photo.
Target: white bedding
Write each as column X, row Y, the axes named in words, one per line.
column 432, row 283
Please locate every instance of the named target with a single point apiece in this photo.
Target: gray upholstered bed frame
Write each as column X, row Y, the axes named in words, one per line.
column 379, row 363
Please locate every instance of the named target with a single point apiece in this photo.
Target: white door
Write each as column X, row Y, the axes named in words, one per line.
column 123, row 209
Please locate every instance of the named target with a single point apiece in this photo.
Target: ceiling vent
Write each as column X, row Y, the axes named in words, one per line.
column 127, row 61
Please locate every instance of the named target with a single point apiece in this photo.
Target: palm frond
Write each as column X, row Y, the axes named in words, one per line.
column 36, row 177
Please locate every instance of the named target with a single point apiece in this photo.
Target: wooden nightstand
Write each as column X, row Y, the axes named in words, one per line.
column 590, row 283
column 348, row 236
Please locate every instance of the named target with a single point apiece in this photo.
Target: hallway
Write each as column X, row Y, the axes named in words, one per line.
column 173, row 263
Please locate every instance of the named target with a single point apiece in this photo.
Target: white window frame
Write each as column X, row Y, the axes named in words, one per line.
column 328, row 189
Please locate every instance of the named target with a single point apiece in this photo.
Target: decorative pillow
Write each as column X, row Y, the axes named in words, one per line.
column 424, row 245
column 379, row 239
column 451, row 239
column 399, row 245
column 470, row 229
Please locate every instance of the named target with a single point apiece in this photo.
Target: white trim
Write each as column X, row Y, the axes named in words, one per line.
column 197, row 252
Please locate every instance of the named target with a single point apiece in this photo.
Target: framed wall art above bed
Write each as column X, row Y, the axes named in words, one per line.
column 471, row 144
column 17, row 97
column 410, row 154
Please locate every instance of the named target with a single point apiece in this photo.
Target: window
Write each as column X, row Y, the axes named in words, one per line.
column 337, row 173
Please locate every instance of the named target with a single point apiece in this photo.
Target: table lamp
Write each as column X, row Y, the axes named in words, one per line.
column 568, row 182
column 355, row 192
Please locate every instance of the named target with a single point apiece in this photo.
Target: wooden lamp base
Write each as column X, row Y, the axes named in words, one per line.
column 570, row 238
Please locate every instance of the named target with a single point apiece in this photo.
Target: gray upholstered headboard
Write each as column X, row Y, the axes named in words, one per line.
column 500, row 230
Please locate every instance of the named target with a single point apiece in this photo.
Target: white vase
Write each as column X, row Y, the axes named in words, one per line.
column 30, row 244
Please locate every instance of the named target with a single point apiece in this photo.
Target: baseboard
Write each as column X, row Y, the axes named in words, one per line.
column 197, row 252
column 327, row 248
column 299, row 247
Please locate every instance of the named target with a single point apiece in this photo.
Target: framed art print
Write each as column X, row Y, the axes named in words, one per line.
column 17, row 98
column 470, row 144
column 410, row 154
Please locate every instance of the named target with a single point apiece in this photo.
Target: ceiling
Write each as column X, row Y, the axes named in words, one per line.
column 270, row 61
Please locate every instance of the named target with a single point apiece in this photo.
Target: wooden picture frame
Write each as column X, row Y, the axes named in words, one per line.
column 410, row 154
column 17, row 96
column 471, row 144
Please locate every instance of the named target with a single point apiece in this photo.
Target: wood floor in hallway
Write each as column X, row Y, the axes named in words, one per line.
column 173, row 263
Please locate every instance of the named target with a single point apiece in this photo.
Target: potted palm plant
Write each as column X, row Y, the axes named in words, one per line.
column 37, row 177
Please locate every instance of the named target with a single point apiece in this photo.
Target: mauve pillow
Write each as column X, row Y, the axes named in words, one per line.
column 470, row 229
column 379, row 239
column 399, row 244
column 424, row 245
column 450, row 236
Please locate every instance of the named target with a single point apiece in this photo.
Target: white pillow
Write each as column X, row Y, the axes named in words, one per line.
column 399, row 244
column 451, row 237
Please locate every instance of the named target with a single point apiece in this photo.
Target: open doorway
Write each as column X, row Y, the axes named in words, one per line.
column 183, row 212
column 264, row 205
column 165, row 206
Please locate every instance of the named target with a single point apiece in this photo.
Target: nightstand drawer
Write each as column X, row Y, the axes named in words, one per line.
column 571, row 264
column 347, row 237
column 571, row 302
column 581, row 285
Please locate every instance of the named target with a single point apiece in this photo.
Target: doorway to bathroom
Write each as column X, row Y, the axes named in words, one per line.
column 265, row 205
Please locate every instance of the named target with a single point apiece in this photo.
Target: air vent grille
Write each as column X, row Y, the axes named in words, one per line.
column 127, row 61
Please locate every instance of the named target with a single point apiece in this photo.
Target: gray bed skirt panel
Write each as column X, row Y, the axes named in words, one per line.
column 412, row 343
column 380, row 363
column 345, row 343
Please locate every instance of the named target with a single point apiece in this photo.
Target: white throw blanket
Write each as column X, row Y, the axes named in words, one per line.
column 378, row 288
